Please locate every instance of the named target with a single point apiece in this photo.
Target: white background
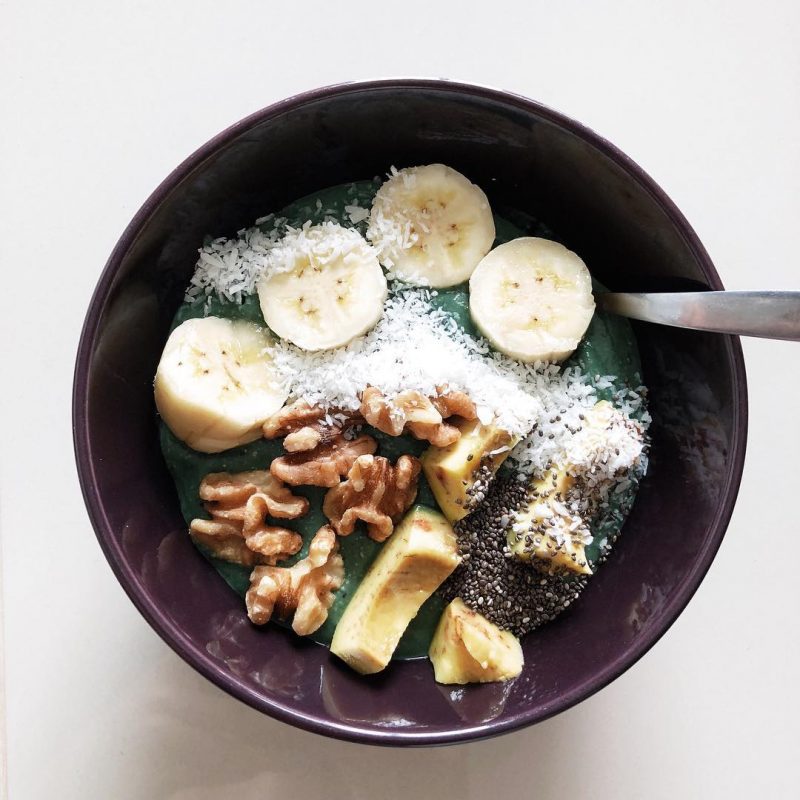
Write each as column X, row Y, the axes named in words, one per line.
column 100, row 100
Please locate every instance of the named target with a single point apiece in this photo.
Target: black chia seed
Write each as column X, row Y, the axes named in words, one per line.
column 507, row 591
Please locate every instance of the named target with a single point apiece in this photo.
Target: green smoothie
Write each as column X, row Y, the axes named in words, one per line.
column 609, row 348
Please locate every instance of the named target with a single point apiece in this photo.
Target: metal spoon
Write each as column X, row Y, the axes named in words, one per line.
column 770, row 315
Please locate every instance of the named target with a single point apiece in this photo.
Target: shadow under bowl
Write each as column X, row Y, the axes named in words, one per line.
column 528, row 159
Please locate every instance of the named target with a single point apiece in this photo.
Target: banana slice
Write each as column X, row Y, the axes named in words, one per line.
column 431, row 226
column 322, row 287
column 215, row 384
column 532, row 299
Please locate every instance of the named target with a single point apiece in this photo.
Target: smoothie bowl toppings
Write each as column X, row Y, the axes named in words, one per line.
column 397, row 425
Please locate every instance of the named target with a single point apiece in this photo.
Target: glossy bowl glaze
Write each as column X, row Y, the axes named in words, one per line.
column 527, row 158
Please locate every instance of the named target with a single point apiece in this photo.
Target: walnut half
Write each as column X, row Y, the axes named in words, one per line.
column 239, row 505
column 306, row 427
column 226, row 495
column 422, row 416
column 375, row 492
column 325, row 465
column 304, row 589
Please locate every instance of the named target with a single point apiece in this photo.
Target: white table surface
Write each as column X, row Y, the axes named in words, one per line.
column 100, row 100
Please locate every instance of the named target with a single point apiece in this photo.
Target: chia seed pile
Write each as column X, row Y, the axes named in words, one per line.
column 490, row 580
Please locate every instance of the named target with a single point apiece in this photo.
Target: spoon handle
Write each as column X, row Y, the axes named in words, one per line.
column 769, row 315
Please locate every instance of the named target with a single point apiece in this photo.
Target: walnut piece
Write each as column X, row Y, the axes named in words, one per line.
column 375, row 492
column 226, row 495
column 306, row 427
column 422, row 416
column 224, row 540
column 306, row 588
column 325, row 465
column 238, row 505
column 267, row 545
column 391, row 416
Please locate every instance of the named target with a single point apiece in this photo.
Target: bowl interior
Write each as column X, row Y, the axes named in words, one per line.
column 527, row 159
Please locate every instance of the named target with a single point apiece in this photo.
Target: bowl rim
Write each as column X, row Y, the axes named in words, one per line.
column 201, row 661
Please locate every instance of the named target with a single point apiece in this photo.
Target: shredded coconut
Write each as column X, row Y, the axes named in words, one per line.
column 390, row 232
column 230, row 268
column 319, row 244
column 418, row 347
column 356, row 213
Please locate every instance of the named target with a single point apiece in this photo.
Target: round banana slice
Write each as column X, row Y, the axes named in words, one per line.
column 430, row 226
column 532, row 299
column 216, row 384
column 322, row 287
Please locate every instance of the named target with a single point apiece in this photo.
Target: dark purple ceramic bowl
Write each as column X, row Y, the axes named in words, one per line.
column 526, row 157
